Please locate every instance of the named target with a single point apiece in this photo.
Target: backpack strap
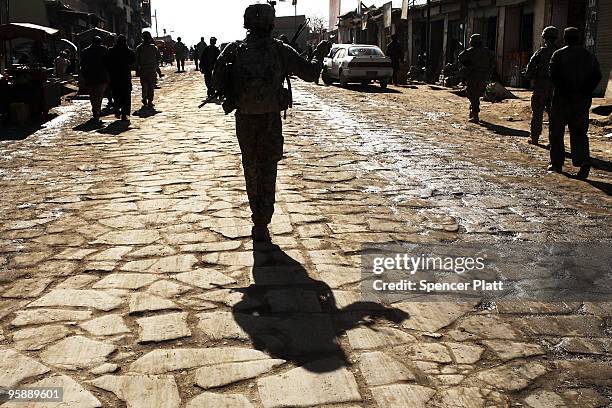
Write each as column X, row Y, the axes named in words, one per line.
column 279, row 49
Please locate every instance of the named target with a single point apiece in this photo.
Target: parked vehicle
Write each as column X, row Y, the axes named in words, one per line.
column 358, row 63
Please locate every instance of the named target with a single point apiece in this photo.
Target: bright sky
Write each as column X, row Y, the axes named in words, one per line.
column 192, row 19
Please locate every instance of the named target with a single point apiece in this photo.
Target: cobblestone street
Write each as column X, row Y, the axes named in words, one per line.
column 128, row 275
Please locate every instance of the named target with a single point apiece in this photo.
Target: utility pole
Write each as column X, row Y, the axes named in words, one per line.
column 7, row 50
column 428, row 41
column 156, row 30
column 295, row 15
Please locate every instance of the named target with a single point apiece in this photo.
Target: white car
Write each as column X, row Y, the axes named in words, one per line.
column 356, row 63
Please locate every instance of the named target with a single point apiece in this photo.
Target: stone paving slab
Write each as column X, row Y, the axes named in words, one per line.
column 316, row 383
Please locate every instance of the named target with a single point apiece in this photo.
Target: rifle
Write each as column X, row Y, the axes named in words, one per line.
column 216, row 95
column 299, row 32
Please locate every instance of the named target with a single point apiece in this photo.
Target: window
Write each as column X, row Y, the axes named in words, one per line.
column 364, row 51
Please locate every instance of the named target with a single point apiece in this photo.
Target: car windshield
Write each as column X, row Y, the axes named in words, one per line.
column 364, row 51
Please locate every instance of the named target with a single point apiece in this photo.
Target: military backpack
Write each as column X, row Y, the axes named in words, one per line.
column 258, row 73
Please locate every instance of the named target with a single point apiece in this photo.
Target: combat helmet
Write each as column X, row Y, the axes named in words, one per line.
column 259, row 16
column 551, row 33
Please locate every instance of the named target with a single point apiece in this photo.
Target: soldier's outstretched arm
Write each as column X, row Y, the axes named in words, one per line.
column 306, row 70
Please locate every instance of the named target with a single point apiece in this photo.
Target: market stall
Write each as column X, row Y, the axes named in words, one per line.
column 28, row 86
column 84, row 38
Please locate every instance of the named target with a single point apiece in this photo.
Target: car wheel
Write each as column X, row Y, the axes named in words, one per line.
column 343, row 80
column 383, row 83
column 326, row 78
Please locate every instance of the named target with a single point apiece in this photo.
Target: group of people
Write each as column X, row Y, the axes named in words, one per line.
column 564, row 80
column 250, row 74
column 108, row 72
column 103, row 67
column 203, row 55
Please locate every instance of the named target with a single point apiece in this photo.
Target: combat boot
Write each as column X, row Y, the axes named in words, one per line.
column 584, row 171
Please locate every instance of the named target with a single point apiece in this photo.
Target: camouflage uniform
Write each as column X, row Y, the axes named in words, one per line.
column 575, row 74
column 538, row 73
column 479, row 64
column 267, row 62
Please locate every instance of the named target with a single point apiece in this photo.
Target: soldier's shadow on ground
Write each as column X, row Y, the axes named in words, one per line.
column 600, row 185
column 503, row 130
column 596, row 163
column 291, row 316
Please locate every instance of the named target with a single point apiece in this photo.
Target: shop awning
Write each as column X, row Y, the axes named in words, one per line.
column 27, row 30
column 93, row 32
column 85, row 37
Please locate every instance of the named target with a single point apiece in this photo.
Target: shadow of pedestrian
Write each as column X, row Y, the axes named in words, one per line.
column 596, row 163
column 292, row 316
column 116, row 128
column 146, row 112
column 503, row 130
column 368, row 88
column 88, row 126
column 600, row 185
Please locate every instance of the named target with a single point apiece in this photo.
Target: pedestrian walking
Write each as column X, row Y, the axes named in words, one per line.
column 109, row 42
column 199, row 48
column 147, row 64
column 180, row 53
column 61, row 65
column 95, row 75
column 256, row 69
column 575, row 73
column 478, row 66
column 120, row 62
column 395, row 53
column 538, row 73
column 207, row 62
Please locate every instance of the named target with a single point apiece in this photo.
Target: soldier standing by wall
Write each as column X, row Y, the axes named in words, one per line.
column 538, row 72
column 147, row 64
column 479, row 64
column 394, row 51
column 256, row 69
column 575, row 74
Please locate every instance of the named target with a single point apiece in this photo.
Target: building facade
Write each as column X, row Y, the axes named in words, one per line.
column 127, row 17
column 510, row 28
